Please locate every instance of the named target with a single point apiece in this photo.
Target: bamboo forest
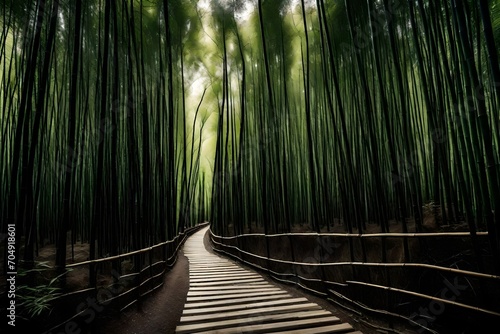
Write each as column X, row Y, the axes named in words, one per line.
column 347, row 150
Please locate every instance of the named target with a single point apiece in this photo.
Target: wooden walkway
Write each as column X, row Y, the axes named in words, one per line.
column 226, row 298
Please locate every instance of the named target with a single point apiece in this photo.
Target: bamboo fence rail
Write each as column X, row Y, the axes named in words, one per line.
column 179, row 240
column 305, row 282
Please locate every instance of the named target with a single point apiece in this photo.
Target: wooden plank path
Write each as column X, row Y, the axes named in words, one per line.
column 226, row 298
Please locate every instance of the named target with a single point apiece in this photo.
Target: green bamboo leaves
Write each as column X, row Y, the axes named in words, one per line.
column 124, row 121
column 93, row 99
column 377, row 108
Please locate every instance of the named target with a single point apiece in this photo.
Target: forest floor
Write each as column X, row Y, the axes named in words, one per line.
column 161, row 311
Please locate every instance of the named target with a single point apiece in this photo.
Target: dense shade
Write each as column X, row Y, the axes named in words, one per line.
column 94, row 121
column 358, row 112
column 124, row 122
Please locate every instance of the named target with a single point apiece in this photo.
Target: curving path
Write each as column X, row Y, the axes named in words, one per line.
column 226, row 298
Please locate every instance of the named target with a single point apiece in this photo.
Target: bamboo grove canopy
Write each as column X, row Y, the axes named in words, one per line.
column 123, row 122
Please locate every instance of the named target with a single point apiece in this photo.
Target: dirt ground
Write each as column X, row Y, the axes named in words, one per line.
column 161, row 312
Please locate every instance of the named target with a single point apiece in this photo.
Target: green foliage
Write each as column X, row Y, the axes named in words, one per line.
column 147, row 115
column 105, row 154
column 495, row 17
column 37, row 300
column 373, row 120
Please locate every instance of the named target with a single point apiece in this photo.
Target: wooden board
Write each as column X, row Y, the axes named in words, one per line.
column 288, row 327
column 220, row 274
column 234, row 286
column 234, row 301
column 234, row 295
column 230, row 291
column 254, row 311
column 274, row 322
column 321, row 330
column 215, row 271
column 223, row 278
column 244, row 306
column 224, row 297
column 227, row 281
column 213, row 266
